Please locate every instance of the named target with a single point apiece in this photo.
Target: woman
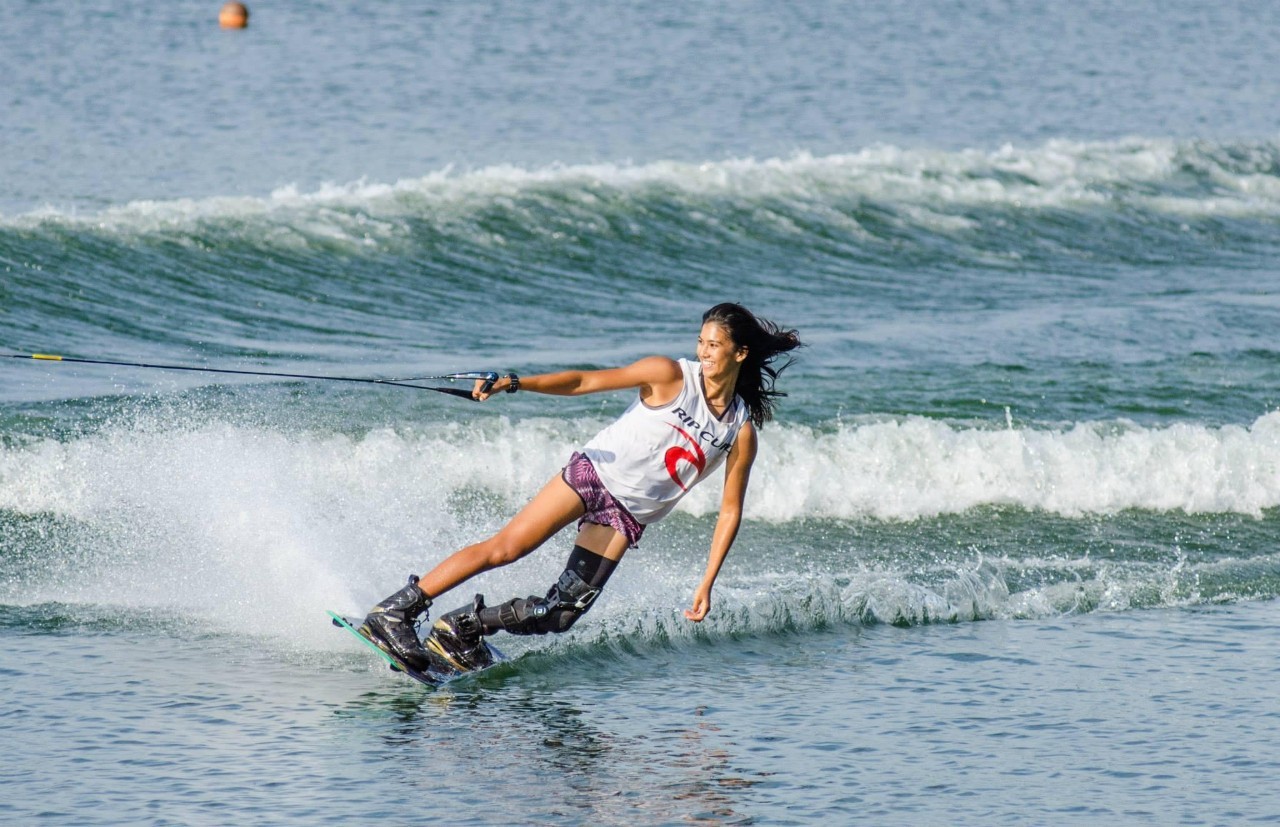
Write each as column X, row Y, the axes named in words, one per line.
column 689, row 417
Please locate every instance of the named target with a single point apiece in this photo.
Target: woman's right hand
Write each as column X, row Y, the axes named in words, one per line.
column 480, row 393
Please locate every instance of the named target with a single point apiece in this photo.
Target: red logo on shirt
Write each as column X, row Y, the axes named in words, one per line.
column 677, row 453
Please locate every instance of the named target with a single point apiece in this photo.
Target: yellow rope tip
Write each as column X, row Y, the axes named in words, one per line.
column 49, row 357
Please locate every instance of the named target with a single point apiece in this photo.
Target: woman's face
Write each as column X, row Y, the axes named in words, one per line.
column 719, row 356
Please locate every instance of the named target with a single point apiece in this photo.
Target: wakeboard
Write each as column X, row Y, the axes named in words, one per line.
column 438, row 672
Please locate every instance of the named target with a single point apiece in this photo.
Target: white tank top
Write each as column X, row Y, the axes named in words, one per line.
column 650, row 457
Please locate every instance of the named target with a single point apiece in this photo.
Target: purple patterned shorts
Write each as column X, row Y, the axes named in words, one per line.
column 602, row 508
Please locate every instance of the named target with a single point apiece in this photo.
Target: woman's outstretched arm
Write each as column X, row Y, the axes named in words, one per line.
column 658, row 378
column 737, row 473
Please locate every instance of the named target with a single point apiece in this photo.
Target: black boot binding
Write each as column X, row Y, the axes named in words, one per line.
column 457, row 637
column 390, row 625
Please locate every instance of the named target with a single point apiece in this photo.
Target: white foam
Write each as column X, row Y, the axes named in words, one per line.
column 1138, row 172
column 885, row 468
column 230, row 520
column 909, row 468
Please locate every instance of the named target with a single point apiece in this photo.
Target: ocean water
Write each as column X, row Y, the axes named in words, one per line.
column 1010, row 553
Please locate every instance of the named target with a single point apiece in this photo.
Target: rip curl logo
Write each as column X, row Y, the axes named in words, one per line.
column 696, row 457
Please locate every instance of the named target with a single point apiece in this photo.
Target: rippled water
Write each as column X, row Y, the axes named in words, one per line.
column 1157, row 717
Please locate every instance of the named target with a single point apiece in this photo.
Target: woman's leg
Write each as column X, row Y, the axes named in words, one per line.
column 458, row 636
column 603, row 540
column 390, row 624
column 553, row 508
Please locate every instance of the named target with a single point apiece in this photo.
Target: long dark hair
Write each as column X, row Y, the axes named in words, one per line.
column 763, row 340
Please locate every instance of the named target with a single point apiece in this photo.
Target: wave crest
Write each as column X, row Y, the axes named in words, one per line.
column 891, row 469
column 932, row 187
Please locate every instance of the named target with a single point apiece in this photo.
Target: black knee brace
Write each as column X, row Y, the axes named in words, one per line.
column 574, row 592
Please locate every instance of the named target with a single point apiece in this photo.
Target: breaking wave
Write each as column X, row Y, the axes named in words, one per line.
column 888, row 469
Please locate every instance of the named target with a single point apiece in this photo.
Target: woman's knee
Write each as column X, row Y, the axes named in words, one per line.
column 502, row 549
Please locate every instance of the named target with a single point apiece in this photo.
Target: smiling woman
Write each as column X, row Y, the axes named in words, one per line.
column 687, row 419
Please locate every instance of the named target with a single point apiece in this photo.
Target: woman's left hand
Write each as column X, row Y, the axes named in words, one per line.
column 701, row 604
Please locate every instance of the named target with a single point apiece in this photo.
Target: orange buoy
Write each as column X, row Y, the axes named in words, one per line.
column 233, row 16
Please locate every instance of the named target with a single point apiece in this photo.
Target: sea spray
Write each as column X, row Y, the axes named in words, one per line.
column 226, row 520
column 897, row 469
